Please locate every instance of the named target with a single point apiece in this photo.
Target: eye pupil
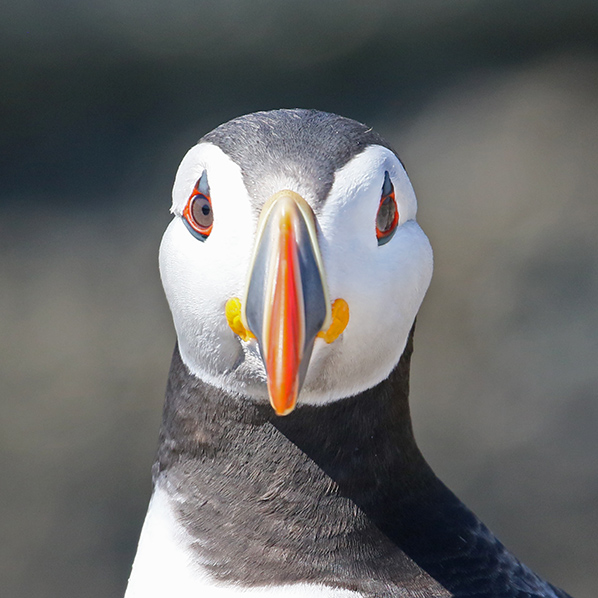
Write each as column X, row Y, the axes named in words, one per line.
column 197, row 214
column 386, row 215
column 202, row 211
column 387, row 218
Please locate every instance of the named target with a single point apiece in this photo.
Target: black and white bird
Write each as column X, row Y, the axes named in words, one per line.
column 294, row 268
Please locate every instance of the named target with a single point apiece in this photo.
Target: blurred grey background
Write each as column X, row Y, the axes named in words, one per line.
column 493, row 107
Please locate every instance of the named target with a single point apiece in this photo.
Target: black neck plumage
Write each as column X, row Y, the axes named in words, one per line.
column 337, row 494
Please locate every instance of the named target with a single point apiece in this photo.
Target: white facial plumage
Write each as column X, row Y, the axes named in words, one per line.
column 383, row 285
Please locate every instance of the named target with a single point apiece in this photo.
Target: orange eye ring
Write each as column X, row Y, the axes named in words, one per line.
column 198, row 215
column 387, row 217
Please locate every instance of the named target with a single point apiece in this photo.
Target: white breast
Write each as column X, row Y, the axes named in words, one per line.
column 165, row 568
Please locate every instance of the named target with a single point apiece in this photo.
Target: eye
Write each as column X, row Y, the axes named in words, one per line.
column 198, row 215
column 388, row 213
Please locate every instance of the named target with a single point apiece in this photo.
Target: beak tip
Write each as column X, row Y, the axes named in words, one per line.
column 283, row 412
column 283, row 406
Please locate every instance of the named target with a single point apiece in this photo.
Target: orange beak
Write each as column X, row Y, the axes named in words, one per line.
column 286, row 302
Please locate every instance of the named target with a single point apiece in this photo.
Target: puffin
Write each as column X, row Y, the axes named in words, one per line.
column 294, row 268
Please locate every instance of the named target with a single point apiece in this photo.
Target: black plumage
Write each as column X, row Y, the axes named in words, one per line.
column 336, row 494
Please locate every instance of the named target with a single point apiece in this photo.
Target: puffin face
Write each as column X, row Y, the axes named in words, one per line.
column 285, row 288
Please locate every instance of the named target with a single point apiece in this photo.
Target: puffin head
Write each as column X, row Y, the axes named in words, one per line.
column 294, row 266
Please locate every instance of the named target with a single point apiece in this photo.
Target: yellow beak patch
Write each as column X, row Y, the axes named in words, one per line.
column 232, row 311
column 340, row 319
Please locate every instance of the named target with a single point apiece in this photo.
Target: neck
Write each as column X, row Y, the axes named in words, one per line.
column 254, row 491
